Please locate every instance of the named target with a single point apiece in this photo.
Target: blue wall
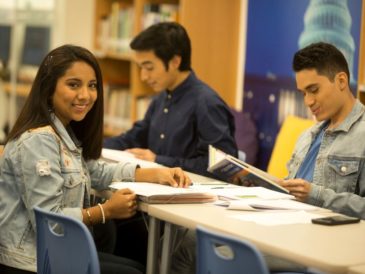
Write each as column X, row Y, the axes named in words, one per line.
column 274, row 28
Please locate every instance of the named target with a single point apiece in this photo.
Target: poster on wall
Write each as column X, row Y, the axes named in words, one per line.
column 275, row 31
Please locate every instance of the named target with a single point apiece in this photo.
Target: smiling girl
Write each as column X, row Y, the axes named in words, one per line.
column 51, row 161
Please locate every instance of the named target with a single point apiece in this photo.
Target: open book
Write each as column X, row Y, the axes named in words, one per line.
column 163, row 194
column 228, row 167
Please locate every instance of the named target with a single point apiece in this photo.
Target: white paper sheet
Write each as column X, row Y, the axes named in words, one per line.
column 278, row 204
column 231, row 192
column 278, row 217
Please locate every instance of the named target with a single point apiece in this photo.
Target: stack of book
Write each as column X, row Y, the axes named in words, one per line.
column 162, row 194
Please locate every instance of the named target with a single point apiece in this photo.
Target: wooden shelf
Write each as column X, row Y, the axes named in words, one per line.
column 109, row 131
column 21, row 89
column 213, row 27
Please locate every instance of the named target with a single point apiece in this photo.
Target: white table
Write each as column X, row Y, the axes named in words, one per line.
column 330, row 249
column 339, row 249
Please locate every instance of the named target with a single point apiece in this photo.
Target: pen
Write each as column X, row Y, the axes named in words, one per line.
column 210, row 184
column 246, row 196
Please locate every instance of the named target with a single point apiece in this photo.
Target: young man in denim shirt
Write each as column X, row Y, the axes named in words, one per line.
column 327, row 166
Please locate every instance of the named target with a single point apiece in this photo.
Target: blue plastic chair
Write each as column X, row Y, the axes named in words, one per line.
column 242, row 258
column 238, row 256
column 64, row 245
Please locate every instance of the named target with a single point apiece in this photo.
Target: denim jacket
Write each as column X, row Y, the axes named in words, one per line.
column 339, row 173
column 45, row 169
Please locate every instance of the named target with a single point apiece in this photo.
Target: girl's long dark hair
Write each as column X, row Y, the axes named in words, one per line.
column 38, row 106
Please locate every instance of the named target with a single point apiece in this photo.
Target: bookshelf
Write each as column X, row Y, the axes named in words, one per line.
column 213, row 27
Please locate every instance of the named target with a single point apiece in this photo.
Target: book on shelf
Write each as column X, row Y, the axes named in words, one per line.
column 156, row 13
column 143, row 103
column 116, row 28
column 228, row 167
column 117, row 101
column 162, row 194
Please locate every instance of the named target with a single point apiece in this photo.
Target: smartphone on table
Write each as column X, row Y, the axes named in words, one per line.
column 336, row 220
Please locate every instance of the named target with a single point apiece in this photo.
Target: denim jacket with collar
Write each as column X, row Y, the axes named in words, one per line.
column 339, row 173
column 45, row 169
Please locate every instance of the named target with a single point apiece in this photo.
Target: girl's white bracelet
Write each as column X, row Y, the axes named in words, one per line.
column 102, row 213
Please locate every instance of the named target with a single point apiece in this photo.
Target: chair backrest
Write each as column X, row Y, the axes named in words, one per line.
column 217, row 253
column 288, row 135
column 64, row 245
